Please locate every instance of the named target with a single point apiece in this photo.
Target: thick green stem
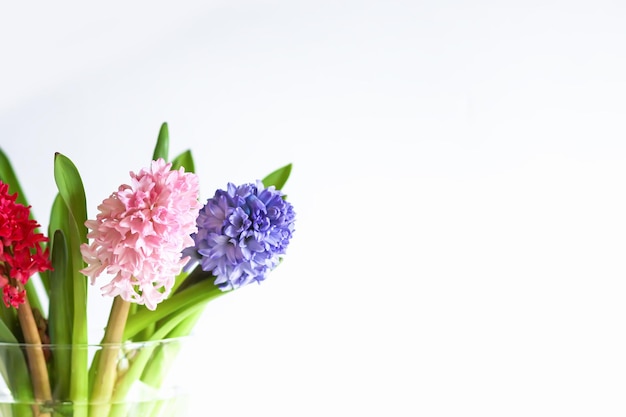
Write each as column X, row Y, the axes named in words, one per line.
column 36, row 359
column 106, row 371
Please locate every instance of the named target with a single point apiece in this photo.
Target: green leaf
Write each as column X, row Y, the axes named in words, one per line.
column 59, row 218
column 184, row 160
column 14, row 369
column 161, row 150
column 191, row 297
column 60, row 315
column 6, row 335
column 7, row 176
column 72, row 193
column 60, row 221
column 188, row 279
column 32, row 294
column 157, row 369
column 278, row 178
column 8, row 316
column 43, row 277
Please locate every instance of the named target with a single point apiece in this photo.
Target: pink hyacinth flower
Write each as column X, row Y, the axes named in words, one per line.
column 140, row 232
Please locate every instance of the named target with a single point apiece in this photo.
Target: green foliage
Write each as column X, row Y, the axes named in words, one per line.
column 198, row 294
column 278, row 178
column 66, row 288
column 14, row 371
column 60, row 311
column 72, row 224
column 161, row 150
column 184, row 160
column 7, row 176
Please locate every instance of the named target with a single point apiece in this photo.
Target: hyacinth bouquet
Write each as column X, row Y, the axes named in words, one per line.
column 155, row 248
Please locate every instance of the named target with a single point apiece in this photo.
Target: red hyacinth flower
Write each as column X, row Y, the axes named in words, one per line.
column 21, row 254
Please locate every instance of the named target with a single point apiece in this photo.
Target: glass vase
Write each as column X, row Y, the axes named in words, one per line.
column 148, row 380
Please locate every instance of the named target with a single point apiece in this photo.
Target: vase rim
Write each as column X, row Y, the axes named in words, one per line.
column 126, row 344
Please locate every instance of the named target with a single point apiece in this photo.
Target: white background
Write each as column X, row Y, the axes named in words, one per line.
column 459, row 177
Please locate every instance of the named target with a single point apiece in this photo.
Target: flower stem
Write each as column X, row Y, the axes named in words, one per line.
column 34, row 351
column 105, row 376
